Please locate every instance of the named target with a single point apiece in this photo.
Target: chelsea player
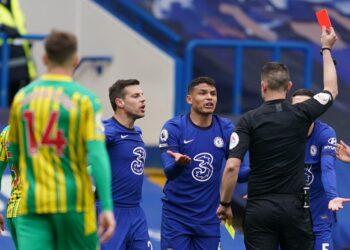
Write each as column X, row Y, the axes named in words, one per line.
column 320, row 176
column 127, row 155
column 194, row 147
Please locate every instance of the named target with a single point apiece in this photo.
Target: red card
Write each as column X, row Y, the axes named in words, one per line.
column 323, row 18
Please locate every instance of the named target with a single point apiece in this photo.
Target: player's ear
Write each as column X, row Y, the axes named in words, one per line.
column 263, row 86
column 189, row 99
column 76, row 60
column 290, row 85
column 45, row 59
column 119, row 102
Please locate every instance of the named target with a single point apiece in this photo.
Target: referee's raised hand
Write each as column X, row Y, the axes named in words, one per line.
column 328, row 37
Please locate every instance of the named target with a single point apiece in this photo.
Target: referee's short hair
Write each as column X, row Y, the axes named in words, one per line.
column 200, row 80
column 276, row 75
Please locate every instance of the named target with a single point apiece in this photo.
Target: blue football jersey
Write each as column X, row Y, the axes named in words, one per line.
column 127, row 155
column 192, row 191
column 319, row 171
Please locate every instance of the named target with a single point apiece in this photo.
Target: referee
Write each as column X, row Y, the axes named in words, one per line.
column 275, row 133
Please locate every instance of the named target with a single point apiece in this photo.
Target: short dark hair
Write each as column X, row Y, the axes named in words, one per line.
column 60, row 46
column 276, row 75
column 199, row 80
column 117, row 90
column 303, row 92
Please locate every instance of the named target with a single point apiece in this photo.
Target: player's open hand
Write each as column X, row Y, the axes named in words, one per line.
column 106, row 226
column 337, row 203
column 225, row 214
column 343, row 151
column 180, row 159
column 2, row 224
column 328, row 37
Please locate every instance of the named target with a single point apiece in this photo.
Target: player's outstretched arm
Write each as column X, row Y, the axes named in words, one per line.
column 343, row 152
column 174, row 163
column 180, row 159
column 337, row 203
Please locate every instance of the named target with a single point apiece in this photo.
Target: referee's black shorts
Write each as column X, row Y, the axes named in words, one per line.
column 277, row 220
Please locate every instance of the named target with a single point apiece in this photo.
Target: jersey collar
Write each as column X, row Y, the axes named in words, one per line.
column 275, row 101
column 56, row 77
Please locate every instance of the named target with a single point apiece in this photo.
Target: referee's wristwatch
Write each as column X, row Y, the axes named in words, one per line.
column 329, row 49
column 225, row 204
column 325, row 48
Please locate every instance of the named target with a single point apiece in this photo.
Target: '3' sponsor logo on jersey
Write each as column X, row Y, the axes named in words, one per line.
column 204, row 170
column 138, row 164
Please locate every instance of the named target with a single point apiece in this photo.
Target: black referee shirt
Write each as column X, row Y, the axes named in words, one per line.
column 275, row 134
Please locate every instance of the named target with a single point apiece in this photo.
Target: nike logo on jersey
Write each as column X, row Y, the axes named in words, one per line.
column 123, row 136
column 188, row 141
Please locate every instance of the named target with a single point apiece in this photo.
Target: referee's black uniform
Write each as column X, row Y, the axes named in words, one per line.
column 275, row 134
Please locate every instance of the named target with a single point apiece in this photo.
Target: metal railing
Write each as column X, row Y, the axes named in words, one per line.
column 141, row 21
column 144, row 23
column 4, row 69
column 184, row 65
column 5, row 53
column 239, row 46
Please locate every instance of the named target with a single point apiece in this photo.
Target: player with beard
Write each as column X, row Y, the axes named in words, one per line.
column 320, row 176
column 194, row 147
column 277, row 210
column 127, row 156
